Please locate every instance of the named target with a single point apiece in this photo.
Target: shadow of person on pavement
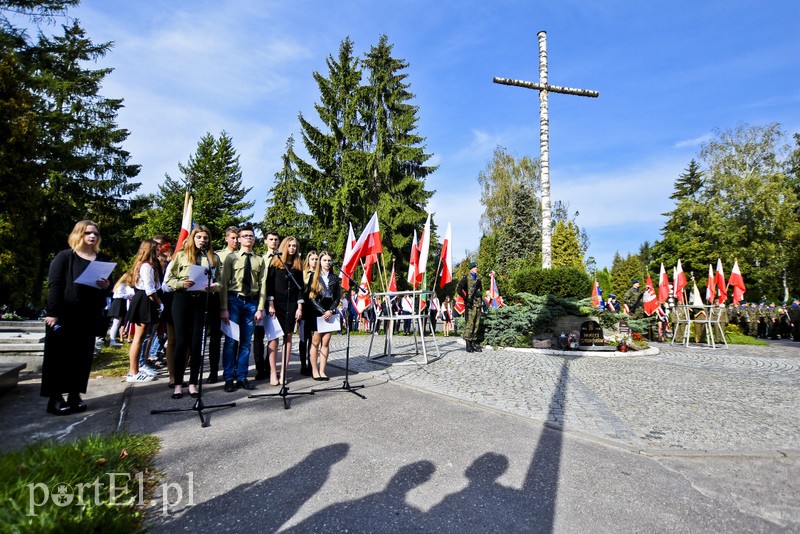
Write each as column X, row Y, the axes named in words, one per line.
column 488, row 506
column 264, row 505
column 386, row 510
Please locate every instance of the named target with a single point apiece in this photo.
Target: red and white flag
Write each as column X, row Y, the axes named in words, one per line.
column 348, row 253
column 186, row 221
column 680, row 281
column 393, row 282
column 663, row 285
column 649, row 298
column 412, row 263
column 363, row 301
column 368, row 243
column 447, row 258
column 722, row 293
column 424, row 248
column 737, row 281
column 711, row 291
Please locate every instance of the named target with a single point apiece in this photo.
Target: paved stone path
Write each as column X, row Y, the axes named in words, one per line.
column 695, row 400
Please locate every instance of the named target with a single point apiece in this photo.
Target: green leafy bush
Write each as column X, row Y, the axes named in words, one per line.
column 564, row 282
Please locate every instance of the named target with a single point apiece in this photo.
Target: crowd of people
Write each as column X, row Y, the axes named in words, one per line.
column 161, row 303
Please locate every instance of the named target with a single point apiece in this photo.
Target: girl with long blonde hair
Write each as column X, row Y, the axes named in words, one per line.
column 144, row 308
column 285, row 299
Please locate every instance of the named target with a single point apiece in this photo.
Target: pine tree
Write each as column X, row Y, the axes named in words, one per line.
column 334, row 179
column 520, row 243
column 396, row 154
column 73, row 164
column 567, row 246
column 283, row 214
column 214, row 178
column 366, row 156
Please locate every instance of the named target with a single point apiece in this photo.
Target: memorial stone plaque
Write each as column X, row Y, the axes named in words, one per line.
column 624, row 328
column 591, row 333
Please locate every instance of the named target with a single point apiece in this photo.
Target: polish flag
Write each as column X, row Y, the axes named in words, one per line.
column 722, row 293
column 348, row 254
column 680, row 281
column 393, row 282
column 596, row 294
column 363, row 301
column 459, row 305
column 412, row 263
column 737, row 282
column 649, row 298
column 186, row 221
column 424, row 248
column 368, row 243
column 447, row 258
column 711, row 292
column 663, row 285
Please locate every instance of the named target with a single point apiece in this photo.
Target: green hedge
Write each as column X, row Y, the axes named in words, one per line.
column 564, row 282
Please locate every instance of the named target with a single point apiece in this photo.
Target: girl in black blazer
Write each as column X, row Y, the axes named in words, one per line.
column 324, row 295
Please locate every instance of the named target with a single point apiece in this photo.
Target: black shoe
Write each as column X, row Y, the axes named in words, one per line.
column 261, row 375
column 306, row 371
column 246, row 384
column 57, row 406
column 229, row 386
column 213, row 378
column 476, row 348
column 469, row 346
column 76, row 404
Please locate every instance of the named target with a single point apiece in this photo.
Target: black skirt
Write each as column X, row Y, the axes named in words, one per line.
column 142, row 309
column 118, row 309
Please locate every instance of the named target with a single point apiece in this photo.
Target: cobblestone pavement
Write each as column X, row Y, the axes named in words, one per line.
column 677, row 400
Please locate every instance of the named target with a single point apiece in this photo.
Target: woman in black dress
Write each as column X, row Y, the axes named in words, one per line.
column 309, row 266
column 324, row 295
column 285, row 295
column 74, row 315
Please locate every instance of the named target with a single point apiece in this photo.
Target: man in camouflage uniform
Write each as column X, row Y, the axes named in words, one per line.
column 794, row 317
column 633, row 299
column 471, row 290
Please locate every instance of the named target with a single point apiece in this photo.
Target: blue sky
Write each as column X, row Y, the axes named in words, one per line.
column 668, row 73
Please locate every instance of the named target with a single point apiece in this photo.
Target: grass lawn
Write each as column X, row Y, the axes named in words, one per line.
column 95, row 484
column 112, row 361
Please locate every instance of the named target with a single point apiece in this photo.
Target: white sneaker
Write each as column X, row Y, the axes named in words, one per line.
column 147, row 370
column 114, row 343
column 140, row 377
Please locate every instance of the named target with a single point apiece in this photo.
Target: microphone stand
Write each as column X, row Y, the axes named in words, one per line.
column 198, row 404
column 346, row 384
column 284, row 392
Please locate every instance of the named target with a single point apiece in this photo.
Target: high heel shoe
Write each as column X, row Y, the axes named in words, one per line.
column 76, row 404
column 57, row 406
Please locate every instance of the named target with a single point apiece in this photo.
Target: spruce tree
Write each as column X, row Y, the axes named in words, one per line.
column 283, row 214
column 214, row 178
column 72, row 163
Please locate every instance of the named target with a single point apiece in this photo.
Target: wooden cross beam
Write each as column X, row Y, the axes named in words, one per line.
column 544, row 138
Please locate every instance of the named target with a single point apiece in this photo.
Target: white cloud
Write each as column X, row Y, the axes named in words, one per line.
column 696, row 142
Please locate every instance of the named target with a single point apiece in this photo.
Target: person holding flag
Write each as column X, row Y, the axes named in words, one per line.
column 470, row 289
column 632, row 300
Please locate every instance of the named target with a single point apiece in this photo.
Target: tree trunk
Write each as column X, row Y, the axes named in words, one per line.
column 544, row 143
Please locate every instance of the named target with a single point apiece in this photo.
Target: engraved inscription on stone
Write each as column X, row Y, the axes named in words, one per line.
column 591, row 333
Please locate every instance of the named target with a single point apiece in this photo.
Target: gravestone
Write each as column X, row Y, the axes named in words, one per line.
column 591, row 333
column 624, row 328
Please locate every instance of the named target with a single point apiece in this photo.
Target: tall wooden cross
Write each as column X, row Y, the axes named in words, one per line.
column 544, row 138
